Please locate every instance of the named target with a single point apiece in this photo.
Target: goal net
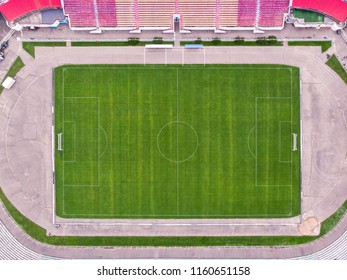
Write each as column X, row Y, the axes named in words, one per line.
column 60, row 145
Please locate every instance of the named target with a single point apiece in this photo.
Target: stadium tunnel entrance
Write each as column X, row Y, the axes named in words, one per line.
column 176, row 22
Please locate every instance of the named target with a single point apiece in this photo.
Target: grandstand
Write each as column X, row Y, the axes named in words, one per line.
column 193, row 14
column 12, row 249
column 135, row 15
column 106, row 13
column 197, row 13
column 227, row 13
column 15, row 9
column 126, row 16
column 81, row 12
column 247, row 10
column 336, row 9
column 271, row 12
column 162, row 11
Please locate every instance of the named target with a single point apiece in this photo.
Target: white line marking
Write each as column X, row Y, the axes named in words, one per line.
column 77, row 97
column 177, row 158
column 256, row 114
column 106, row 137
column 181, row 215
column 64, row 69
column 212, row 68
column 249, row 148
column 280, row 143
column 75, row 146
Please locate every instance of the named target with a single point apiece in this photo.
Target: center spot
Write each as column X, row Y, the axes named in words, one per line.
column 177, row 141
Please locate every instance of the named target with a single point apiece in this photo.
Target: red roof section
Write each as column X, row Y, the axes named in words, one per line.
column 337, row 9
column 14, row 9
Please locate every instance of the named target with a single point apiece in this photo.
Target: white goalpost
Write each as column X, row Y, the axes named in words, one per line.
column 295, row 137
column 60, row 145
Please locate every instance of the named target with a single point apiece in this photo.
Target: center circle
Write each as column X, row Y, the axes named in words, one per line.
column 177, row 141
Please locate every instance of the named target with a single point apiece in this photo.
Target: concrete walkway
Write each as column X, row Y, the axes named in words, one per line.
column 11, row 54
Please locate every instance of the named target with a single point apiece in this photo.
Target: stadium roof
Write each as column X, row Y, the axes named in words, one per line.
column 336, row 9
column 14, row 9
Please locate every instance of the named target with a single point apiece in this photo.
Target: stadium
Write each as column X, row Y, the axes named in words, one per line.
column 133, row 126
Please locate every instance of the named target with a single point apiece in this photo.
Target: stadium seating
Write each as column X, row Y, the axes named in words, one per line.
column 126, row 13
column 81, row 13
column 272, row 12
column 198, row 13
column 156, row 12
column 217, row 13
column 15, row 9
column 247, row 13
column 134, row 14
column 107, row 13
column 176, row 6
column 12, row 249
column 228, row 11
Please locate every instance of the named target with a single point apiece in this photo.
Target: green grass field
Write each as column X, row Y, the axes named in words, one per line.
column 233, row 43
column 12, row 72
column 325, row 45
column 177, row 142
column 30, row 46
column 117, row 44
column 335, row 64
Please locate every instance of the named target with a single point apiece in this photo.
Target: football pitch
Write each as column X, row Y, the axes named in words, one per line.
column 214, row 141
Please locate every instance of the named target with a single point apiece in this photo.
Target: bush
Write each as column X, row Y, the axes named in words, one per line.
column 239, row 40
column 133, row 41
column 216, row 41
column 261, row 41
column 272, row 40
column 157, row 40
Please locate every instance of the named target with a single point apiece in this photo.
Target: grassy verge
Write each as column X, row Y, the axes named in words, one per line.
column 230, row 43
column 40, row 234
column 105, row 44
column 335, row 64
column 17, row 65
column 325, row 45
column 117, row 44
column 30, row 46
column 333, row 220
